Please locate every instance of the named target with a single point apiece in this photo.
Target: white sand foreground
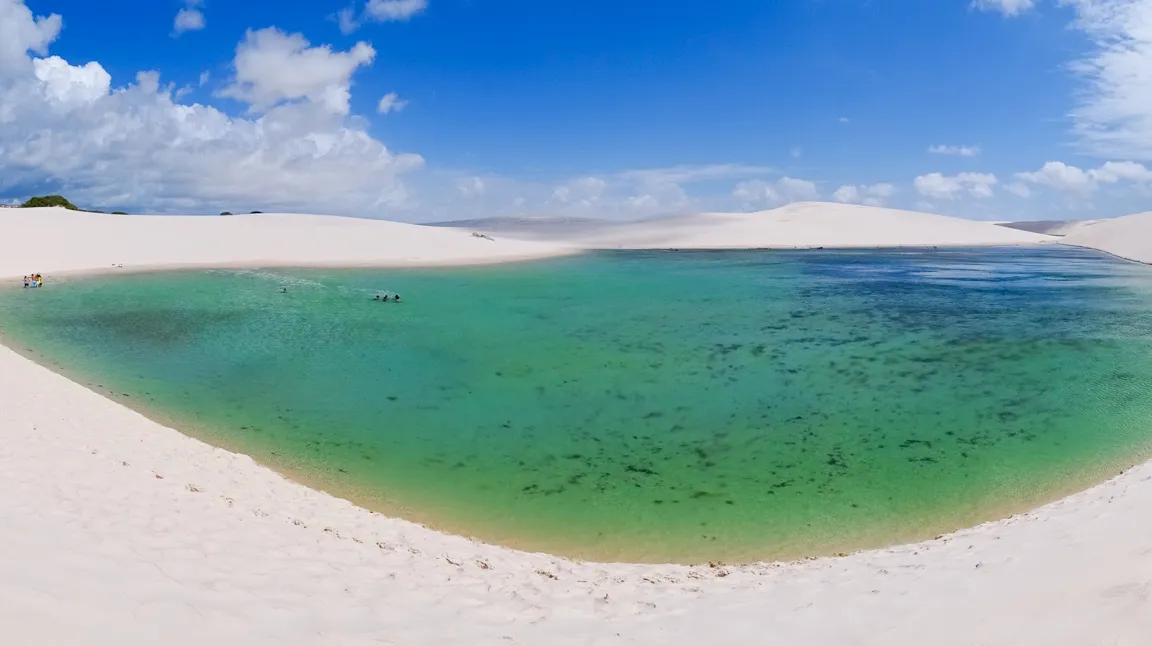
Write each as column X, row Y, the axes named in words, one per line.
column 116, row 530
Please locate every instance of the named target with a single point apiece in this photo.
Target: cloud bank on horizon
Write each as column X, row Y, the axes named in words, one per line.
column 280, row 130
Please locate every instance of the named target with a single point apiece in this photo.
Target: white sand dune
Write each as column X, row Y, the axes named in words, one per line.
column 54, row 240
column 805, row 225
column 116, row 530
column 1058, row 228
column 1129, row 237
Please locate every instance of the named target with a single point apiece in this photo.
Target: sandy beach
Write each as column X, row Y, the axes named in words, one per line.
column 59, row 241
column 1128, row 237
column 115, row 529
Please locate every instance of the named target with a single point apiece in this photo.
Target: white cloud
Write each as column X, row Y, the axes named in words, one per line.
column 391, row 102
column 204, row 76
column 944, row 187
column 758, row 192
column 190, row 18
column 390, row 10
column 471, row 186
column 686, row 174
column 273, row 67
column 1019, row 189
column 1112, row 172
column 959, row 151
column 21, row 32
column 70, row 129
column 843, row 119
column 796, row 190
column 1113, row 116
column 585, row 191
column 65, row 84
column 796, row 152
column 1006, row 7
column 346, row 20
column 873, row 195
column 1076, row 181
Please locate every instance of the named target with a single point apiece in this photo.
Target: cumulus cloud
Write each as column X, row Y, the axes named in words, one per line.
column 945, row 187
column 873, row 195
column 346, row 20
column 1019, row 189
column 758, row 192
column 388, row 10
column 68, row 128
column 1006, row 7
column 189, row 18
column 391, row 102
column 378, row 11
column 273, row 67
column 959, row 151
column 1076, row 181
column 21, row 32
column 585, row 191
column 1113, row 116
column 470, row 186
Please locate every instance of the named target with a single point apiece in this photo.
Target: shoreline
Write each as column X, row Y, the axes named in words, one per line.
column 269, row 265
column 899, row 535
column 874, row 539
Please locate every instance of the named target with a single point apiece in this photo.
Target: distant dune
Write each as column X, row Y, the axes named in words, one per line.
column 53, row 240
column 50, row 240
column 1049, row 227
column 534, row 228
column 805, row 225
column 1128, row 237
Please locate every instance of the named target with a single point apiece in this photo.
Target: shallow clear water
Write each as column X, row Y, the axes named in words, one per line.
column 644, row 406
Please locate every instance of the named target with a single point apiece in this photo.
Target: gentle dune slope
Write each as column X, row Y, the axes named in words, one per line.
column 1128, row 237
column 57, row 240
column 1049, row 227
column 806, row 225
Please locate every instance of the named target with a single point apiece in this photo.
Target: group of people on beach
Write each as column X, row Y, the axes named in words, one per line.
column 33, row 280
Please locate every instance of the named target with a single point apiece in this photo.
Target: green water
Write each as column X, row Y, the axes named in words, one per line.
column 644, row 406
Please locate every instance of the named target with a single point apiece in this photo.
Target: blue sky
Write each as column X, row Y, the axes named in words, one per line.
column 594, row 108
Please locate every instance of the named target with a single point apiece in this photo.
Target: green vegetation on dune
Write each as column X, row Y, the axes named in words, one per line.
column 49, row 200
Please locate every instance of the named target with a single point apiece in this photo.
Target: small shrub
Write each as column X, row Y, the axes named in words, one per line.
column 119, row 213
column 49, row 200
column 256, row 212
column 225, row 213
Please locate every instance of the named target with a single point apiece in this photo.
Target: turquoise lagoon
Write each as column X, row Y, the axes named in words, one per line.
column 645, row 406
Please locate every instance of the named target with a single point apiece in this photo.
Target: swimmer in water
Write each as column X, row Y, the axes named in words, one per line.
column 397, row 297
